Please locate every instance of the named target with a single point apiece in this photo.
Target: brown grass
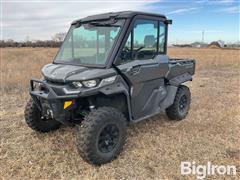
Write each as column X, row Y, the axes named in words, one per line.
column 155, row 147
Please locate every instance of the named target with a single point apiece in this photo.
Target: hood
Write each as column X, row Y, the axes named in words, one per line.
column 64, row 73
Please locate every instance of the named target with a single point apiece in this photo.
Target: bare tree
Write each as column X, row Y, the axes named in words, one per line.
column 59, row 37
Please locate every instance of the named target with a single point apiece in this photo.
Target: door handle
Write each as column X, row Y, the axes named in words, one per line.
column 134, row 69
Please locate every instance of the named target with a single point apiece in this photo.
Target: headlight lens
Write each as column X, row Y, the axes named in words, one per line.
column 108, row 80
column 77, row 84
column 90, row 83
column 94, row 82
column 37, row 86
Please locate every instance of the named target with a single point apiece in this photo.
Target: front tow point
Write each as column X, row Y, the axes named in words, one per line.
column 67, row 104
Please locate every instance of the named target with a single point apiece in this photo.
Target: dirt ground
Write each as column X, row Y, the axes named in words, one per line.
column 155, row 147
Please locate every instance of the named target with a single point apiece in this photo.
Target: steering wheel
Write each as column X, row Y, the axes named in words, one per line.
column 136, row 51
column 125, row 52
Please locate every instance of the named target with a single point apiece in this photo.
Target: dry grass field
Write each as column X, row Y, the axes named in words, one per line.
column 154, row 148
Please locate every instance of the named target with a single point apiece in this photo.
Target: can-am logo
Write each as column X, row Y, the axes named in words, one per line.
column 202, row 171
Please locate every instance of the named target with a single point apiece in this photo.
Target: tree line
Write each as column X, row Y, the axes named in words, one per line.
column 56, row 41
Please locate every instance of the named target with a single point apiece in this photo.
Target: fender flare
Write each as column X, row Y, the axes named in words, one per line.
column 120, row 88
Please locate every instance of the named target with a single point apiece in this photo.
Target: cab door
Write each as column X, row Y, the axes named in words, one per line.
column 144, row 67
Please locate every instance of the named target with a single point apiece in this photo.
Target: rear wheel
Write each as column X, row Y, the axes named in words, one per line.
column 36, row 121
column 102, row 135
column 179, row 109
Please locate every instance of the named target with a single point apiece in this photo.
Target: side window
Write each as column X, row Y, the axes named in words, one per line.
column 162, row 27
column 145, row 39
column 144, row 45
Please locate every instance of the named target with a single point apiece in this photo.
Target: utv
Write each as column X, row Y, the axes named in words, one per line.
column 111, row 70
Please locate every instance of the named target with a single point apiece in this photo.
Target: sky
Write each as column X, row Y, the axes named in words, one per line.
column 35, row 19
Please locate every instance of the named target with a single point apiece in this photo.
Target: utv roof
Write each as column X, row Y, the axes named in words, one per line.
column 122, row 14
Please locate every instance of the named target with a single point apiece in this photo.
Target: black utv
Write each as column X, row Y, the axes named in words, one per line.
column 111, row 70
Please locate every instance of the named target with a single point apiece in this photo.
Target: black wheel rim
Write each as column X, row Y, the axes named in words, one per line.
column 108, row 138
column 183, row 104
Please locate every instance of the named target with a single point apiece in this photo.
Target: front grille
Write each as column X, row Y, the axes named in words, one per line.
column 58, row 91
column 57, row 86
column 52, row 82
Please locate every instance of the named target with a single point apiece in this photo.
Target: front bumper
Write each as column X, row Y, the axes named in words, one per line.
column 46, row 99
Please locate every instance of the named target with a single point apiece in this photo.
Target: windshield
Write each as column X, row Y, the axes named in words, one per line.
column 89, row 43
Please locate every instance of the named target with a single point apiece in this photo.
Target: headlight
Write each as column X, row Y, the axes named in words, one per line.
column 90, row 83
column 108, row 80
column 37, row 86
column 77, row 84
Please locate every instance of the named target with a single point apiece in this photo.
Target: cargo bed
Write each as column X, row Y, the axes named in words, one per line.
column 178, row 67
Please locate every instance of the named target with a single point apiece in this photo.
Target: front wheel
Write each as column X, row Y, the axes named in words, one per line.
column 102, row 135
column 180, row 107
column 36, row 121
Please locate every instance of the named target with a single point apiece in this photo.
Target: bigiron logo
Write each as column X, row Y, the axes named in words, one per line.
column 202, row 171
